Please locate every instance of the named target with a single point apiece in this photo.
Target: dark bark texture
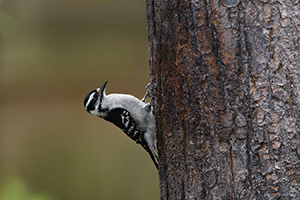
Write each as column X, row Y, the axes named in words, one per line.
column 226, row 77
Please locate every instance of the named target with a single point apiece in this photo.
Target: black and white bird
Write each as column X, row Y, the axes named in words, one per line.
column 133, row 116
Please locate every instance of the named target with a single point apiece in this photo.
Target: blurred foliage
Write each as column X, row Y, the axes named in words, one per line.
column 50, row 58
column 6, row 21
column 16, row 189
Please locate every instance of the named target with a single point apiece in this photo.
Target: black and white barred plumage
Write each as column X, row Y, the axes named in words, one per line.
column 133, row 116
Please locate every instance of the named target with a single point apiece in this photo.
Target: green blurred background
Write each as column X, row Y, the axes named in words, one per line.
column 53, row 52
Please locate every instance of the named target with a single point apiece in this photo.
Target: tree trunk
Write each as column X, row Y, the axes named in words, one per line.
column 226, row 76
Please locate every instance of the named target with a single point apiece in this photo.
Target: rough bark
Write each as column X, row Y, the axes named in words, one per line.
column 226, row 76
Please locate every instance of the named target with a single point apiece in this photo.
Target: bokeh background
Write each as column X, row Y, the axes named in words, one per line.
column 52, row 53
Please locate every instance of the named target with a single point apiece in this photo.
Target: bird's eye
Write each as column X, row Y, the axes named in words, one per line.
column 96, row 95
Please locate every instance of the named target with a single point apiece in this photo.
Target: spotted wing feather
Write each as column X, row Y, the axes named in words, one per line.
column 122, row 119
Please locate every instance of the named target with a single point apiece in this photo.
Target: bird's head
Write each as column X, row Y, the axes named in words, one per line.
column 93, row 99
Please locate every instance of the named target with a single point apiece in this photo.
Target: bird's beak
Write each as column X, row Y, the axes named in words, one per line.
column 101, row 89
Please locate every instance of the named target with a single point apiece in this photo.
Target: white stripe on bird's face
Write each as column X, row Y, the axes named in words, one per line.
column 93, row 101
column 89, row 100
